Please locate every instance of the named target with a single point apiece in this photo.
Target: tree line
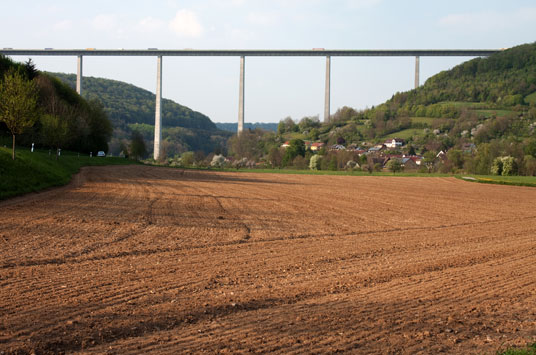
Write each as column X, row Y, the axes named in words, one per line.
column 38, row 109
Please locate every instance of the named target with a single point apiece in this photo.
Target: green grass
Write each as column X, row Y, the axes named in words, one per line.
column 313, row 172
column 468, row 105
column 529, row 350
column 31, row 172
column 496, row 113
column 406, row 133
column 501, row 180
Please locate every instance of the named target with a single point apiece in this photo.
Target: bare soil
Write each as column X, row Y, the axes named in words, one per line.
column 137, row 259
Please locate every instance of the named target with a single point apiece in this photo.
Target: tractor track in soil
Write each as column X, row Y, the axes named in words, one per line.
column 140, row 259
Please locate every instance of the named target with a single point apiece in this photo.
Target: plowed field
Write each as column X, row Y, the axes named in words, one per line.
column 139, row 259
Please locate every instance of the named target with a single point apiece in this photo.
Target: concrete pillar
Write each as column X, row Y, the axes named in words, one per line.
column 158, row 110
column 417, row 69
column 79, row 76
column 241, row 96
column 327, row 97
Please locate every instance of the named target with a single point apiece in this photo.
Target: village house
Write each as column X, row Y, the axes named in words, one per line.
column 394, row 143
column 337, row 147
column 409, row 163
column 316, row 146
column 376, row 148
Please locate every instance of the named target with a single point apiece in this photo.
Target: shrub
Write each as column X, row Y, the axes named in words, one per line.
column 497, row 166
column 314, row 163
column 218, row 161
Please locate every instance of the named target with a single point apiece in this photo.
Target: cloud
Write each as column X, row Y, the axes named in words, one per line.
column 262, row 18
column 104, row 22
column 186, row 24
column 490, row 20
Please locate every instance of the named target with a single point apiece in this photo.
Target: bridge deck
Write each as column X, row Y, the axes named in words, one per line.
column 255, row 52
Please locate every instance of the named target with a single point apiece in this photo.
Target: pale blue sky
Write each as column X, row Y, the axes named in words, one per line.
column 275, row 87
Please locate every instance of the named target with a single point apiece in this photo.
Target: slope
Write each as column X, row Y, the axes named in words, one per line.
column 130, row 107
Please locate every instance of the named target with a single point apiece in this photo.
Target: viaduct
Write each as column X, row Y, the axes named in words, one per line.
column 242, row 53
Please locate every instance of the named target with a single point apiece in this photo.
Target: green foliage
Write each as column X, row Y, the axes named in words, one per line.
column 429, row 159
column 137, row 146
column 251, row 144
column 530, row 147
column 394, row 166
column 275, row 158
column 296, row 147
column 18, row 103
column 315, row 162
column 505, row 166
column 126, row 103
column 509, row 166
column 529, row 165
column 287, row 125
column 531, row 99
column 187, row 158
column 54, row 130
column 455, row 157
column 497, row 166
column 308, row 123
column 132, row 108
column 32, row 172
column 529, row 350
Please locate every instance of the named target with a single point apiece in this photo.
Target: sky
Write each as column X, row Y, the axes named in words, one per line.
column 275, row 87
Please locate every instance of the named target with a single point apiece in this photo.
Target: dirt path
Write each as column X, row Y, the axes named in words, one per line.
column 138, row 259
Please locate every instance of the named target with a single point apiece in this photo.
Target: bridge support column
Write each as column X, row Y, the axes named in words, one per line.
column 158, row 110
column 79, row 76
column 417, row 69
column 327, row 97
column 241, row 95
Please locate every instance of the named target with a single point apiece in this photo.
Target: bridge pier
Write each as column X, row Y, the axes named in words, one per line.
column 79, row 75
column 327, row 97
column 417, row 69
column 241, row 95
column 158, row 109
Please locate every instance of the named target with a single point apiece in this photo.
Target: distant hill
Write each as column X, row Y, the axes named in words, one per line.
column 505, row 79
column 232, row 127
column 479, row 100
column 130, row 107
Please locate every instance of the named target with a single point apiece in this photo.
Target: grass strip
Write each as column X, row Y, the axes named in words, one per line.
column 32, row 172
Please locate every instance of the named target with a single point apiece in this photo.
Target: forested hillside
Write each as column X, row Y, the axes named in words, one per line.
column 132, row 108
column 58, row 119
column 126, row 103
column 504, row 79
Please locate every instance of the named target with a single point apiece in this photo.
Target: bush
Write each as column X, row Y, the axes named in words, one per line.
column 314, row 163
column 505, row 166
column 218, row 161
column 497, row 166
column 509, row 166
column 187, row 158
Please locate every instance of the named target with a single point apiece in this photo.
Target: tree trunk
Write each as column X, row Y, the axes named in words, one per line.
column 13, row 151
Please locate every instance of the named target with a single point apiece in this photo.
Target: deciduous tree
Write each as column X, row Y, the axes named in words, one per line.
column 137, row 146
column 18, row 103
